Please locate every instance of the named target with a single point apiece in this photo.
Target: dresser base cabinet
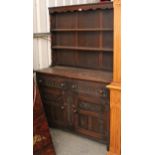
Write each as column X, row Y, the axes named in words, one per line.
column 79, row 106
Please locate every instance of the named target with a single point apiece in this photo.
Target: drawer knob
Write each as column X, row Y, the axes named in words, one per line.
column 75, row 111
column 73, row 106
column 62, row 85
column 101, row 91
column 74, row 86
column 62, row 107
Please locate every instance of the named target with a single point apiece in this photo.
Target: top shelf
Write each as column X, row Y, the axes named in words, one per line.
column 82, row 30
column 82, row 7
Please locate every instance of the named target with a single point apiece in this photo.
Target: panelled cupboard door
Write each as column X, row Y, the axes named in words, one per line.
column 55, row 107
column 89, row 117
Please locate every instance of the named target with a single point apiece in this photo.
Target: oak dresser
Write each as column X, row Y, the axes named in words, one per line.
column 73, row 88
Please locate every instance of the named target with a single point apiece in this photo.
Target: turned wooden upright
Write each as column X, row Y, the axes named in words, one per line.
column 115, row 86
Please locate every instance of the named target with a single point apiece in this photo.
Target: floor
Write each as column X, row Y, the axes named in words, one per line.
column 69, row 144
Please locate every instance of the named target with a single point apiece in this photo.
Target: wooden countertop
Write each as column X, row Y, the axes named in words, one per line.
column 78, row 73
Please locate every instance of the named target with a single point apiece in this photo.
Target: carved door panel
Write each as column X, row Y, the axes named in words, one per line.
column 90, row 117
column 55, row 107
column 69, row 101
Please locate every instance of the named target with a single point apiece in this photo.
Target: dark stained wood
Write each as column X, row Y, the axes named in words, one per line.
column 78, row 105
column 82, row 48
column 64, row 39
column 73, row 88
column 79, row 73
column 83, row 30
column 89, row 117
column 85, row 7
column 55, row 107
column 74, row 33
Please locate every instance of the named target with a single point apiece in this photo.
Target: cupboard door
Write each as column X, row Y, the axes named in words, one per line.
column 55, row 108
column 91, row 117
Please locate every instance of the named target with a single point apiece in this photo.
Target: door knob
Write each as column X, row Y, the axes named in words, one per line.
column 75, row 111
column 73, row 106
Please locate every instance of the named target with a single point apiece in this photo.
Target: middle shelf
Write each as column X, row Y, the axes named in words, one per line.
column 83, row 48
column 82, row 30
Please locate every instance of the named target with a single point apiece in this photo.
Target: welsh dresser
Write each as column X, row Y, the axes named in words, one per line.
column 73, row 88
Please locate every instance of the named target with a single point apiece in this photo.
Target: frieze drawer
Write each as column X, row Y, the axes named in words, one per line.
column 90, row 88
column 52, row 82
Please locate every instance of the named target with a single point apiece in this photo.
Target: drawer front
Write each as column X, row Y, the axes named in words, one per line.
column 90, row 88
column 51, row 81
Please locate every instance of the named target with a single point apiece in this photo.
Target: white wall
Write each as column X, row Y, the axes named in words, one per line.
column 70, row 2
column 41, row 47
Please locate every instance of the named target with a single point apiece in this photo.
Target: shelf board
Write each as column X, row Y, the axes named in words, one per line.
column 82, row 30
column 82, row 48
